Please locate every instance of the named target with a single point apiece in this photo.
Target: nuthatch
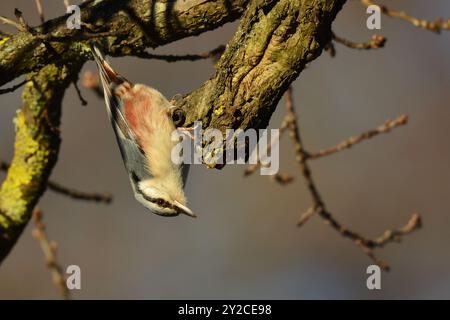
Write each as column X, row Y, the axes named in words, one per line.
column 141, row 119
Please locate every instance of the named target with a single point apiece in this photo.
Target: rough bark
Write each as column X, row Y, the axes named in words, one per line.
column 272, row 45
column 136, row 25
column 35, row 151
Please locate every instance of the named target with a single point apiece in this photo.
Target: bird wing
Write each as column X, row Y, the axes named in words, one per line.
column 134, row 158
column 110, row 79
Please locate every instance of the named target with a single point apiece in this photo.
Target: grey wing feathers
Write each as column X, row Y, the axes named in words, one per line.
column 134, row 159
column 114, row 108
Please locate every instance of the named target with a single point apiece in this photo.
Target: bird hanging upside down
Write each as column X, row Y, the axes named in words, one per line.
column 143, row 125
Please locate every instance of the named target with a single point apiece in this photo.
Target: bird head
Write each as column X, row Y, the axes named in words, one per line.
column 163, row 199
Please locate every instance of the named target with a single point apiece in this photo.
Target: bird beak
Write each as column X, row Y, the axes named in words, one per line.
column 185, row 210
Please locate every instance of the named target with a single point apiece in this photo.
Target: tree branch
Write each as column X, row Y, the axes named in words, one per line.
column 350, row 142
column 71, row 193
column 49, row 250
column 436, row 26
column 376, row 41
column 13, row 88
column 274, row 42
column 134, row 24
column 35, row 151
column 319, row 207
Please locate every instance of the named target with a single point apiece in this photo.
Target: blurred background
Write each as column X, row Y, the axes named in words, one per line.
column 245, row 243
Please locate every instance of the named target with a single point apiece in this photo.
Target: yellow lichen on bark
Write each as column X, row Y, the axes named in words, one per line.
column 35, row 149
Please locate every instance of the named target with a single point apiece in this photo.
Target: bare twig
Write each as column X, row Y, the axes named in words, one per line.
column 318, row 207
column 73, row 35
column 376, row 41
column 330, row 48
column 66, row 3
column 22, row 22
column 301, row 154
column 10, row 22
column 214, row 54
column 347, row 144
column 49, row 250
column 80, row 96
column 40, row 10
column 306, row 215
column 13, row 88
column 74, row 194
column 435, row 26
column 280, row 178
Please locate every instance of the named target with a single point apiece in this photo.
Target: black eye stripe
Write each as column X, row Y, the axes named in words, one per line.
column 160, row 202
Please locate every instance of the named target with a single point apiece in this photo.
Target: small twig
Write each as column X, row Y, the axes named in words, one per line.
column 376, row 41
column 40, row 10
column 10, row 22
column 49, row 250
column 281, row 178
column 80, row 195
column 318, row 207
column 368, row 245
column 347, row 144
column 414, row 223
column 13, row 88
column 252, row 169
column 306, row 215
column 71, row 193
column 301, row 154
column 187, row 57
column 23, row 23
column 330, row 48
column 435, row 26
column 80, row 96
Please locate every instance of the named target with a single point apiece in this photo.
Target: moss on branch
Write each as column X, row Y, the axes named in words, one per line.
column 35, row 150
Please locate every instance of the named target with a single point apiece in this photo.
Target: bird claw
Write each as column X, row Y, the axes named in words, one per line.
column 189, row 131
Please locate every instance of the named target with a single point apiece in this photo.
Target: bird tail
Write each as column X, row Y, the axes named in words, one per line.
column 107, row 74
column 110, row 79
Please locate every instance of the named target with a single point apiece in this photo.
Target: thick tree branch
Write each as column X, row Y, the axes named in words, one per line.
column 49, row 249
column 136, row 24
column 35, row 151
column 54, row 65
column 70, row 192
column 274, row 42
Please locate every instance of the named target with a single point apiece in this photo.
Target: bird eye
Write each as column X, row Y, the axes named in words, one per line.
column 160, row 202
column 178, row 117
